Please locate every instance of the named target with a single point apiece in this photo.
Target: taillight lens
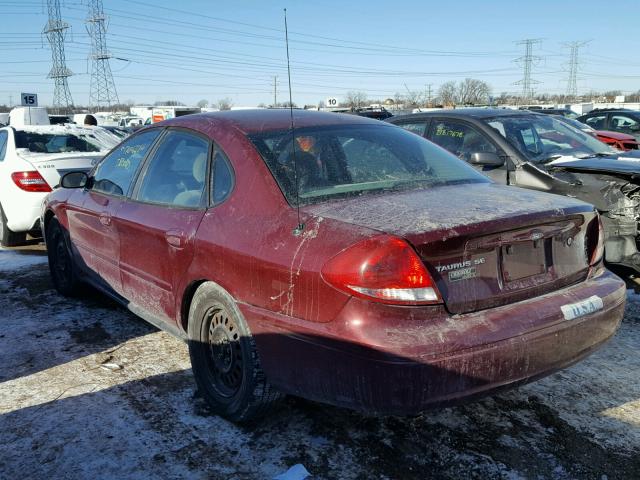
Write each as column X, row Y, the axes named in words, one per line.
column 384, row 269
column 598, row 250
column 30, row 181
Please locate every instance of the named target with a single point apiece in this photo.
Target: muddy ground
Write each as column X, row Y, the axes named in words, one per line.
column 87, row 390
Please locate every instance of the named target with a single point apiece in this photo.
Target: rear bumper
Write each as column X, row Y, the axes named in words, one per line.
column 23, row 210
column 437, row 359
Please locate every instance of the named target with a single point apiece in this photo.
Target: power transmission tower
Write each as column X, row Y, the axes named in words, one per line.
column 528, row 60
column 56, row 31
column 103, row 89
column 572, row 81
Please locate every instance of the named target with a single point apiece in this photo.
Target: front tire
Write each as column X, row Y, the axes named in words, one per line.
column 7, row 237
column 61, row 265
column 224, row 357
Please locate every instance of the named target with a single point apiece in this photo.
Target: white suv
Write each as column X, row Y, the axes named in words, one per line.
column 32, row 160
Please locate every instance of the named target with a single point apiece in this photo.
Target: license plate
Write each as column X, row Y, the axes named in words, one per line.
column 580, row 309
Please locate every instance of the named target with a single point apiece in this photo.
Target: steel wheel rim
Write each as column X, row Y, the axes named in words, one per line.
column 224, row 353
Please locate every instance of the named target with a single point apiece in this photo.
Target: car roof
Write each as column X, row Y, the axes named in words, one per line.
column 264, row 120
column 467, row 112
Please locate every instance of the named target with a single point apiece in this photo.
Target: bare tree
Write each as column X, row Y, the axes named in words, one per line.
column 355, row 99
column 413, row 98
column 473, row 92
column 168, row 103
column 224, row 104
column 203, row 103
column 447, row 93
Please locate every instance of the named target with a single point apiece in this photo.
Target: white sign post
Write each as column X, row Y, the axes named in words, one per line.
column 331, row 102
column 29, row 99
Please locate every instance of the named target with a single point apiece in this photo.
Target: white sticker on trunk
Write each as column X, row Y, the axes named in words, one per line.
column 580, row 309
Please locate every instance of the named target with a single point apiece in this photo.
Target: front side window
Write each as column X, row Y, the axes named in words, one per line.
column 115, row 173
column 4, row 138
column 542, row 138
column 460, row 139
column 622, row 123
column 339, row 161
column 176, row 174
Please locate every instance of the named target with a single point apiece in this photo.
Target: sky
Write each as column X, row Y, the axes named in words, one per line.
column 195, row 49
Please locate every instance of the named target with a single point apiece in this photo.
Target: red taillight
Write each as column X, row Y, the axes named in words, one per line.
column 30, row 181
column 383, row 268
column 598, row 250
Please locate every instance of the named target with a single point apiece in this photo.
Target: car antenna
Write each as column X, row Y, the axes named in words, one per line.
column 300, row 227
column 409, row 92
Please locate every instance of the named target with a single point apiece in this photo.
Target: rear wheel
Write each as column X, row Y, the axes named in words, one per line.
column 224, row 357
column 61, row 266
column 7, row 237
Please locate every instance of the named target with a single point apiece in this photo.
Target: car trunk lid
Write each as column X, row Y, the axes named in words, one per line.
column 53, row 166
column 485, row 245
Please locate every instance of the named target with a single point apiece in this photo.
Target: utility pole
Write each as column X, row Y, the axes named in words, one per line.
column 275, row 91
column 103, row 89
column 527, row 61
column 56, row 31
column 429, row 94
column 572, row 81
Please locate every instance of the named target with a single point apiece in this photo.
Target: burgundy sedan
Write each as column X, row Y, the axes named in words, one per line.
column 349, row 262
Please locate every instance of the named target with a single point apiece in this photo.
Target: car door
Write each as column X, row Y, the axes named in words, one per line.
column 90, row 211
column 624, row 124
column 463, row 140
column 158, row 224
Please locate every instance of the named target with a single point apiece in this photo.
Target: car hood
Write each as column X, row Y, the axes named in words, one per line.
column 614, row 135
column 623, row 163
column 446, row 210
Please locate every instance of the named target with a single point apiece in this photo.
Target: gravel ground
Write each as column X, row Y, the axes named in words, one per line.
column 89, row 390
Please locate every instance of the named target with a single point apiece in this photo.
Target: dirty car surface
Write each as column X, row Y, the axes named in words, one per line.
column 404, row 280
column 539, row 152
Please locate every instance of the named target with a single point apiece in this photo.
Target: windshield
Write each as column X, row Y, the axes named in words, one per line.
column 56, row 143
column 542, row 138
column 343, row 161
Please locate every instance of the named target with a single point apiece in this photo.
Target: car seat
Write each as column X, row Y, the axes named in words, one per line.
column 191, row 198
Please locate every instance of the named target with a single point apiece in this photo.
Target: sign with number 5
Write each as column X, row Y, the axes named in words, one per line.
column 29, row 99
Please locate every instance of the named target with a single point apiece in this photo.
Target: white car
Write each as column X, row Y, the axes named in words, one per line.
column 32, row 160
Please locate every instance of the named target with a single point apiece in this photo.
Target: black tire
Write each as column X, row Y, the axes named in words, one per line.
column 224, row 358
column 7, row 237
column 61, row 266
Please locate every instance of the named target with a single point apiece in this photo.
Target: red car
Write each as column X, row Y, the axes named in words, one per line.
column 358, row 265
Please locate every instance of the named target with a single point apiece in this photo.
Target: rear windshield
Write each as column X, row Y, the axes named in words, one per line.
column 340, row 161
column 54, row 143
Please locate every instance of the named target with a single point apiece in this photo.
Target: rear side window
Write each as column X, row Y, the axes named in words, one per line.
column 176, row 174
column 115, row 173
column 221, row 178
column 351, row 160
column 597, row 122
column 4, row 137
column 55, row 143
column 416, row 127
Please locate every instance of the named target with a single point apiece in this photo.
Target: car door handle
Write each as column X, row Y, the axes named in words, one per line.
column 175, row 239
column 105, row 220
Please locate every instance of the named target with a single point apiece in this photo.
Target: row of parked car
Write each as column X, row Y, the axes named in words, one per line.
column 350, row 261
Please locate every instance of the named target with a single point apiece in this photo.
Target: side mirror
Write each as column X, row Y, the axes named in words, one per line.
column 488, row 159
column 74, row 180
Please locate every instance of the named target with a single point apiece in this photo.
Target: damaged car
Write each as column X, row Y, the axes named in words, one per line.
column 345, row 260
column 539, row 152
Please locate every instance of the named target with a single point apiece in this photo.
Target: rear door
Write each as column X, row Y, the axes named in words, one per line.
column 462, row 139
column 158, row 225
column 91, row 213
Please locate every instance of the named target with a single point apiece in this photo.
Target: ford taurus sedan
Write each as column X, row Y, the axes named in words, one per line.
column 347, row 261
